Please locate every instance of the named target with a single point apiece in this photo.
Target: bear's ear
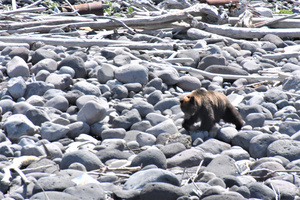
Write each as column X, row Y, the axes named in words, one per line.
column 192, row 99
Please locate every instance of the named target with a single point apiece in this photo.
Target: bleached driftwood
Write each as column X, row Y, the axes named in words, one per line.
column 112, row 24
column 274, row 21
column 87, row 42
column 17, row 163
column 39, row 9
column 247, row 33
column 279, row 77
column 286, row 23
column 279, row 56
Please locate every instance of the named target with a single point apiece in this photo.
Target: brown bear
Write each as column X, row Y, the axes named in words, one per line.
column 209, row 107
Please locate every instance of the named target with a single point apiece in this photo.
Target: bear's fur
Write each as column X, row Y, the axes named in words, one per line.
column 209, row 107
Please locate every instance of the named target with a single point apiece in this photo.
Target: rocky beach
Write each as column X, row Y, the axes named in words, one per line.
column 90, row 102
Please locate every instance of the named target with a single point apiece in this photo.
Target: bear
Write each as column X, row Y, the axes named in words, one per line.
column 209, row 107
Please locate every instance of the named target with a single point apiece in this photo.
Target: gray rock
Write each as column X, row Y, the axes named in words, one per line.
column 42, row 75
column 190, row 53
column 247, row 109
column 292, row 83
column 59, row 102
column 119, row 92
column 172, row 149
column 151, row 156
column 60, row 81
column 21, row 52
column 67, row 71
column 289, row 127
column 133, row 87
column 113, row 143
column 248, row 46
column 37, row 116
column 47, row 64
column 127, row 119
column 169, row 76
column 270, row 106
column 109, row 154
column 53, row 132
column 255, row 119
column 166, row 126
column 145, row 139
column 92, row 191
column 284, row 112
column 222, row 165
column 141, row 126
column 41, row 54
column 18, row 125
column 156, row 83
column 17, row 67
column 237, row 153
column 82, row 100
column 244, row 137
column 259, row 144
column 73, row 95
column 91, row 112
column 37, row 88
column 215, row 59
column 252, row 66
column 154, row 97
column 187, row 158
column 16, row 87
column 7, row 105
column 155, row 118
column 214, row 146
column 139, row 179
column 33, row 150
column 273, row 95
column 261, row 191
column 161, row 191
column 226, row 134
column 275, row 40
column 76, row 128
column 105, row 73
column 290, row 67
column 85, row 157
column 54, row 150
column 132, row 73
column 76, row 63
column 113, row 133
column 166, row 103
column 286, row 148
column 87, row 88
column 143, row 107
column 121, row 60
column 53, row 195
column 286, row 189
column 189, row 83
column 223, row 69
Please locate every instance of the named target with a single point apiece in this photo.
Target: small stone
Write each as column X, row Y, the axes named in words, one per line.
column 17, row 67
column 139, row 179
column 91, row 112
column 167, row 126
column 145, row 139
column 215, row 59
column 85, row 157
column 214, row 146
column 132, row 73
column 187, row 158
column 286, row 148
column 60, row 81
column 47, row 64
column 161, row 191
column 126, row 120
column 87, row 88
column 168, row 76
column 113, row 133
column 172, row 149
column 53, row 132
column 259, row 144
column 119, row 92
column 255, row 119
column 59, row 102
column 76, row 63
column 189, row 83
column 16, row 87
column 105, row 73
column 78, row 128
column 87, row 191
column 222, row 165
column 41, row 54
column 261, row 191
column 150, row 156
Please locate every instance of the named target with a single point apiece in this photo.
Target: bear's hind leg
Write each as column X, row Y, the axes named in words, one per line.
column 231, row 115
column 188, row 122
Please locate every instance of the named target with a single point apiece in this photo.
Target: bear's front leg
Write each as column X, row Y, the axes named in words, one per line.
column 188, row 122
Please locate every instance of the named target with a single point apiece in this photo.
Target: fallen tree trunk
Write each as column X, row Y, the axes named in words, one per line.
column 247, row 33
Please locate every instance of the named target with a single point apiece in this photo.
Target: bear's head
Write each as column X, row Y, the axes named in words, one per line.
column 188, row 105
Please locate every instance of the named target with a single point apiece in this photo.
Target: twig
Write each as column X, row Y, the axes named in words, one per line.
column 273, row 21
column 131, row 31
column 72, row 7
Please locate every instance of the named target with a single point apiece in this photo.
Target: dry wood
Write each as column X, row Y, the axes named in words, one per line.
column 88, row 42
column 279, row 56
column 279, row 77
column 286, row 23
column 247, row 33
column 39, row 9
column 273, row 21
